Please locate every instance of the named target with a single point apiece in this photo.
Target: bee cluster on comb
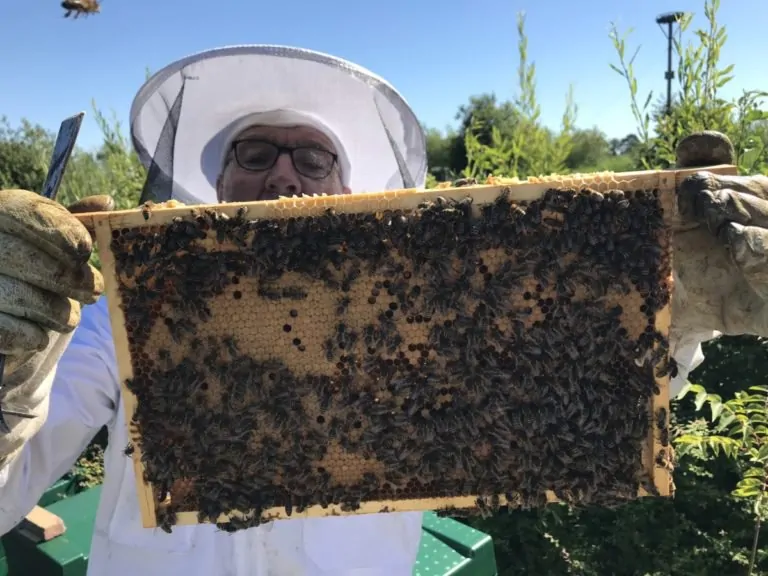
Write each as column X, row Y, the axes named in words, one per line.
column 457, row 349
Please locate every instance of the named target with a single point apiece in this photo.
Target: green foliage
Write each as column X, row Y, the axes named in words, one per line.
column 510, row 140
column 89, row 469
column 441, row 154
column 698, row 104
column 507, row 138
column 712, row 526
column 23, row 159
column 113, row 169
column 740, row 431
column 591, row 151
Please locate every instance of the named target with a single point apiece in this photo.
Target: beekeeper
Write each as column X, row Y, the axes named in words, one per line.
column 242, row 123
column 234, row 124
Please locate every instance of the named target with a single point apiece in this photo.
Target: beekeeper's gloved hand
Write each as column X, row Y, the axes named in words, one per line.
column 721, row 255
column 44, row 279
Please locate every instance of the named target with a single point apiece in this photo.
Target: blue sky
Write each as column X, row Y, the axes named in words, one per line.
column 436, row 52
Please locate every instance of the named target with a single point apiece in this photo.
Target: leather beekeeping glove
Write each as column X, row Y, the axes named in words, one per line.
column 721, row 250
column 45, row 277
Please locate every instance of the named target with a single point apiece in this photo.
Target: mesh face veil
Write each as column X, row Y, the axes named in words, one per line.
column 185, row 116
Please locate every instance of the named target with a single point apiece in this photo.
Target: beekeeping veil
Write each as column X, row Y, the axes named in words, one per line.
column 184, row 117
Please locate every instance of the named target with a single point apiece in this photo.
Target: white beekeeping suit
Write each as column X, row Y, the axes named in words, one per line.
column 180, row 122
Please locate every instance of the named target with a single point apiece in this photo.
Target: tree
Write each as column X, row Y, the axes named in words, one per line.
column 588, row 148
column 623, row 146
column 440, row 153
column 23, row 163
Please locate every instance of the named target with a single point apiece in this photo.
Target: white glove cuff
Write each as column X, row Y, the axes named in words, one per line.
column 688, row 354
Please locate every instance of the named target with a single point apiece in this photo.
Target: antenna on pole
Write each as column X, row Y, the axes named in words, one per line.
column 670, row 19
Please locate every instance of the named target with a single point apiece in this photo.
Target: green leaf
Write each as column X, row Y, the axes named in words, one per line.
column 759, row 418
column 727, row 441
column 726, row 420
column 690, row 439
column 717, row 408
column 746, row 492
column 736, row 429
column 696, row 388
column 755, row 115
column 754, row 473
column 750, row 483
column 701, row 397
column 648, row 100
column 616, row 69
column 687, row 387
column 750, row 157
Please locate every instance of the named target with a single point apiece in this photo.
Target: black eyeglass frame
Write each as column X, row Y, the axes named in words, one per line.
column 290, row 150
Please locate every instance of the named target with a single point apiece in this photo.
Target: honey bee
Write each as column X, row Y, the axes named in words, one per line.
column 146, row 208
column 79, row 7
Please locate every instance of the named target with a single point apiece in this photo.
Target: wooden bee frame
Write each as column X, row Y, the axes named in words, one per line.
column 107, row 226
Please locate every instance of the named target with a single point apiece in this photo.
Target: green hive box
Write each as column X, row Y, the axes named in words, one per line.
column 448, row 547
column 66, row 555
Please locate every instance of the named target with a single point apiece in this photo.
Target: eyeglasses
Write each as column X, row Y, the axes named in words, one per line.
column 259, row 155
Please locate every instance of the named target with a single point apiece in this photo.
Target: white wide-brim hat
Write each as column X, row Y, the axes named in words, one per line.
column 185, row 116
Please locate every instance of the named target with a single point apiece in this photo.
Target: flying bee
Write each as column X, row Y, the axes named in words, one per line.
column 79, row 7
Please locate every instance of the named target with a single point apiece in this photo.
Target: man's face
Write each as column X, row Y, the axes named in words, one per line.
column 256, row 170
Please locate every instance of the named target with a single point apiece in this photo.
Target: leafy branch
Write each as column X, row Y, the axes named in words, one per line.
column 740, row 431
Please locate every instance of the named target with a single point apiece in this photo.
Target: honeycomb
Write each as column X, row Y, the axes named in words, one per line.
column 462, row 349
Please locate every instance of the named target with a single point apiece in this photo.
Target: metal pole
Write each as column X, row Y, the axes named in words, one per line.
column 669, row 19
column 670, row 72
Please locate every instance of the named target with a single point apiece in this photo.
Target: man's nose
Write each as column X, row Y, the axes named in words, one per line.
column 282, row 179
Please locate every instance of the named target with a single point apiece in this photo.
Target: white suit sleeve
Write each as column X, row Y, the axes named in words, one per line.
column 688, row 355
column 84, row 397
